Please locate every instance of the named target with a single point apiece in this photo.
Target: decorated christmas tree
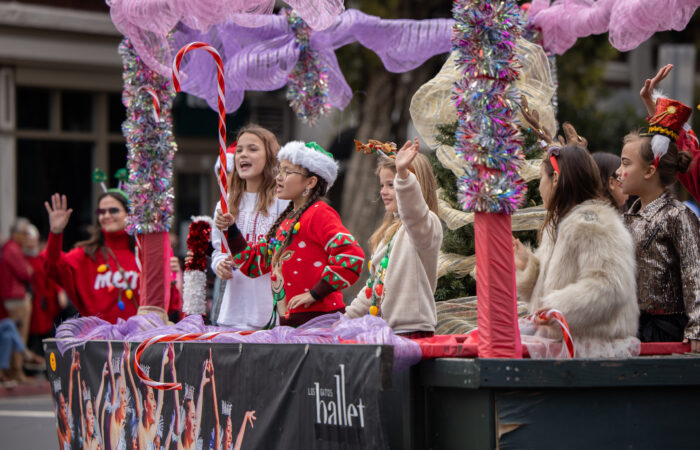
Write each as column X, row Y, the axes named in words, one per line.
column 460, row 242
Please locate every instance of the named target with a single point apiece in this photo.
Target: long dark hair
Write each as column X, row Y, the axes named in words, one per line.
column 315, row 195
column 97, row 238
column 607, row 166
column 579, row 180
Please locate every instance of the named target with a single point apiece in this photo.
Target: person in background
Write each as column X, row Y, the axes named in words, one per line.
column 100, row 274
column 15, row 276
column 612, row 187
column 48, row 299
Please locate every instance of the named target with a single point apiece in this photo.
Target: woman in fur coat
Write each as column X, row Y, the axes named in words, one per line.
column 585, row 264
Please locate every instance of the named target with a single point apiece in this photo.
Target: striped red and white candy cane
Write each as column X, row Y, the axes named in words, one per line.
column 223, row 190
column 566, row 333
column 138, row 252
column 156, row 102
column 167, row 338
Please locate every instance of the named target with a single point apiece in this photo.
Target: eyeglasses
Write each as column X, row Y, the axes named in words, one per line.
column 111, row 211
column 283, row 172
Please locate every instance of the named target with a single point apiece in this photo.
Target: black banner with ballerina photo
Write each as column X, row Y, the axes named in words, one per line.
column 232, row 396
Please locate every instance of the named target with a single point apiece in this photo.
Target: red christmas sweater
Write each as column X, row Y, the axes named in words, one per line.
column 322, row 256
column 93, row 293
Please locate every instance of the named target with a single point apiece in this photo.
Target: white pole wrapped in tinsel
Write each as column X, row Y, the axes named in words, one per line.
column 194, row 289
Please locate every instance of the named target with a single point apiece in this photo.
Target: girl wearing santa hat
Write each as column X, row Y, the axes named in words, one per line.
column 310, row 255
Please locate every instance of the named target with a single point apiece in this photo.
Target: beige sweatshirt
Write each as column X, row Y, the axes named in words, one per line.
column 408, row 302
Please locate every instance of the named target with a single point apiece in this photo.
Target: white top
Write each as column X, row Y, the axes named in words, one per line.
column 247, row 302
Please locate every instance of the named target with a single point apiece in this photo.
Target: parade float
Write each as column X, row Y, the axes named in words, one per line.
column 336, row 382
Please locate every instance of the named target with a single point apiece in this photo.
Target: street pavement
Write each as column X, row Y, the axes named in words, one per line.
column 27, row 423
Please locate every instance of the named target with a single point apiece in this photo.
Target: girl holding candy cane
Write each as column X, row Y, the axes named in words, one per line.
column 247, row 302
column 666, row 233
column 405, row 247
column 310, row 254
column 584, row 265
column 99, row 275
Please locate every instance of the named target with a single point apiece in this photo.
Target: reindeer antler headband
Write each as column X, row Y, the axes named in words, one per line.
column 571, row 137
column 385, row 150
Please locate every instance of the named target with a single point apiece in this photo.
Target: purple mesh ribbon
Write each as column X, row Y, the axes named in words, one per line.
column 629, row 22
column 147, row 23
column 259, row 55
column 327, row 329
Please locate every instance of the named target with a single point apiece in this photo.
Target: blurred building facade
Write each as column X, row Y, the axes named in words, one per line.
column 61, row 115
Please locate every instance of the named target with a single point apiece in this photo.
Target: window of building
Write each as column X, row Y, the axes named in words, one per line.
column 33, row 108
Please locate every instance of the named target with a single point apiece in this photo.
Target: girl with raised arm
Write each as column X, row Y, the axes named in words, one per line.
column 100, row 274
column 405, row 247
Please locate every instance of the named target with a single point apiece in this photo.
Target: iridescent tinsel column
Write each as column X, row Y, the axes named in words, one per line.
column 488, row 141
column 307, row 83
column 151, row 146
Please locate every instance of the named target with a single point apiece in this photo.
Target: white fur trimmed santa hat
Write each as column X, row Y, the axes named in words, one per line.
column 230, row 157
column 311, row 157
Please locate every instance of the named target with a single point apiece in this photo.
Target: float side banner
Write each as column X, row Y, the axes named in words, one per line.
column 233, row 396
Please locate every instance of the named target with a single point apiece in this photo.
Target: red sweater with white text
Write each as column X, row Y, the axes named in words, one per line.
column 98, row 294
column 93, row 293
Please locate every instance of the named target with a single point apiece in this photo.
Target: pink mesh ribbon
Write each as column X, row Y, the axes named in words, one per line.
column 629, row 22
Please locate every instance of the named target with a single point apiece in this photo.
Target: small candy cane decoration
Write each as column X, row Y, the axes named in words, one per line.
column 171, row 338
column 223, row 191
column 566, row 333
column 156, row 102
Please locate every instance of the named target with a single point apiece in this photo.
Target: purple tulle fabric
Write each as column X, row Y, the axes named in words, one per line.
column 629, row 22
column 147, row 22
column 260, row 51
column 327, row 329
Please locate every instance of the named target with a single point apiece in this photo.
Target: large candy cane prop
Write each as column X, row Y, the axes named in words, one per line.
column 223, row 191
column 171, row 338
column 156, row 102
column 566, row 333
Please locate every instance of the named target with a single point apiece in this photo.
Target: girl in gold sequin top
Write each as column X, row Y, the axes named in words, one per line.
column 666, row 232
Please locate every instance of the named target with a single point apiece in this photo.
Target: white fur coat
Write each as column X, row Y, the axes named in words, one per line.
column 587, row 273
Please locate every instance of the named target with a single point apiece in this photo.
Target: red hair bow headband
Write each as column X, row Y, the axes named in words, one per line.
column 552, row 153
